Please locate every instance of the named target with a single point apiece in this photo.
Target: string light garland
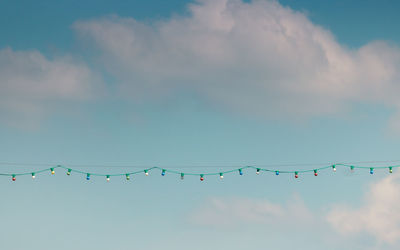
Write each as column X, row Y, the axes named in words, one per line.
column 221, row 174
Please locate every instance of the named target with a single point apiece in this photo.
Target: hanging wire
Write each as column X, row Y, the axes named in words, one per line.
column 51, row 168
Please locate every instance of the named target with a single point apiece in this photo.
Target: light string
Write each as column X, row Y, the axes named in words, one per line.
column 195, row 166
column 221, row 174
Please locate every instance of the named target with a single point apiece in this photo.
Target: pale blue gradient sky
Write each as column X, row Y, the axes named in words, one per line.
column 60, row 212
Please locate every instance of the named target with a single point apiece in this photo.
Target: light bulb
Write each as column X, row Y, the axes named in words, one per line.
column 315, row 173
column 240, row 172
column 201, row 177
column 276, row 172
column 371, row 170
column 52, row 171
column 182, row 176
column 390, row 170
column 163, row 172
column 296, row 175
column 221, row 175
column 258, row 171
column 13, row 178
column 127, row 177
column 334, row 168
column 352, row 169
column 69, row 171
column 146, row 172
column 108, row 178
column 88, row 176
column 33, row 176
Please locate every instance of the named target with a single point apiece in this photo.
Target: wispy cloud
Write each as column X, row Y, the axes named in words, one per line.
column 257, row 58
column 379, row 215
column 228, row 212
column 32, row 85
column 376, row 218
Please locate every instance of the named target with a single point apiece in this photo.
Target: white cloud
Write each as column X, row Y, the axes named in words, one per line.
column 32, row 85
column 375, row 225
column 379, row 215
column 258, row 58
column 228, row 212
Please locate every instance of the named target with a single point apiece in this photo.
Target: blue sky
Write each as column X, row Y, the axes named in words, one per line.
column 209, row 83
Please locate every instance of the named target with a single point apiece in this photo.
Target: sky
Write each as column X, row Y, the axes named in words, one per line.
column 199, row 86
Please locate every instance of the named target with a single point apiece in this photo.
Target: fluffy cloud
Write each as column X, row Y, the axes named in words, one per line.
column 374, row 225
column 254, row 57
column 379, row 215
column 32, row 84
